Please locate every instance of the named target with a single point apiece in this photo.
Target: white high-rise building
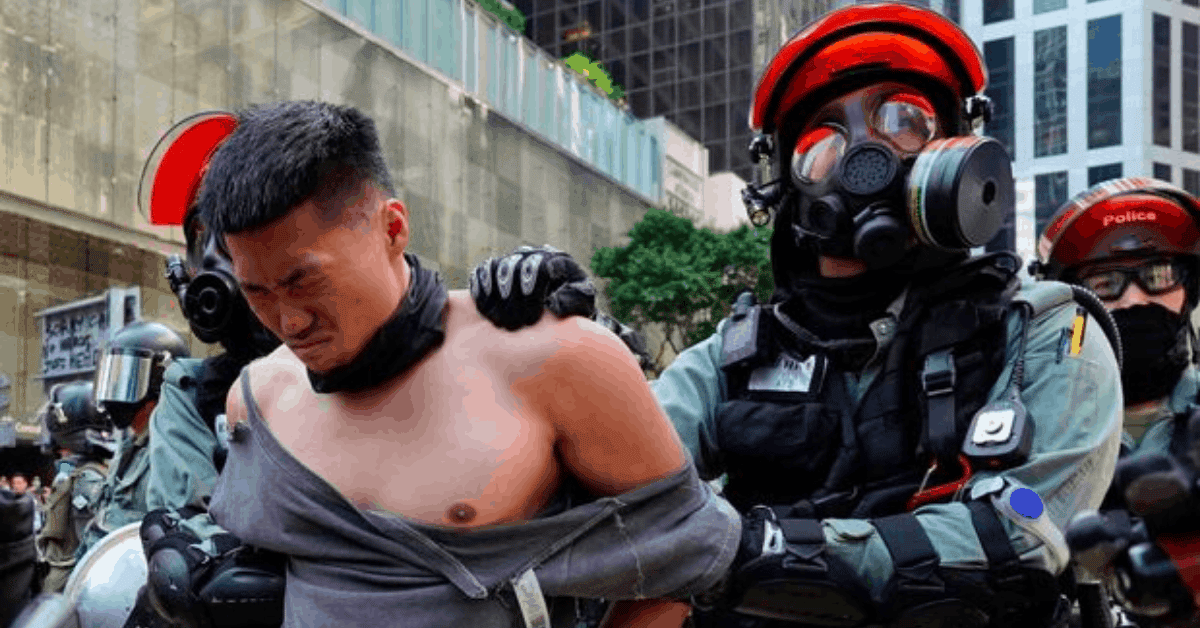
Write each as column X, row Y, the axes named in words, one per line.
column 1087, row 91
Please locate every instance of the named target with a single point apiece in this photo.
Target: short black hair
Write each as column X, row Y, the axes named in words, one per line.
column 283, row 154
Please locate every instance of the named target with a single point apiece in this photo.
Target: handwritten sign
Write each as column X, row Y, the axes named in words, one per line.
column 71, row 339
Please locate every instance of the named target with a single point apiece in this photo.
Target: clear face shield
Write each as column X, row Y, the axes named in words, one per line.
column 124, row 375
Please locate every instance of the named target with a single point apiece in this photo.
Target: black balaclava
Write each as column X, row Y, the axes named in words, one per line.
column 1155, row 342
column 842, row 308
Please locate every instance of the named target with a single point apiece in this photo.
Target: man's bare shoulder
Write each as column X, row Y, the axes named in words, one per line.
column 273, row 373
column 551, row 338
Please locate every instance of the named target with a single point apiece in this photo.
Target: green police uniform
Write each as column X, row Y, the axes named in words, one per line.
column 166, row 466
column 182, row 446
column 123, row 497
column 1073, row 400
column 1157, row 419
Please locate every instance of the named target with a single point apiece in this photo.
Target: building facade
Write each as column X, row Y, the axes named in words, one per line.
column 484, row 161
column 687, row 60
column 1088, row 91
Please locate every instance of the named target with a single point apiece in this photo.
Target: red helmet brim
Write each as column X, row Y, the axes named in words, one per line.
column 172, row 175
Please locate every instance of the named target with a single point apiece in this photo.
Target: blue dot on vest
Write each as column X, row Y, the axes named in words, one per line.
column 1026, row 502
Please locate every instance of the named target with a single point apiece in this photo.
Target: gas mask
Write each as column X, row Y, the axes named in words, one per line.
column 870, row 181
column 213, row 304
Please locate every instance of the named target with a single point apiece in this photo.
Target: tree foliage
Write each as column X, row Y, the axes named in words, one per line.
column 683, row 277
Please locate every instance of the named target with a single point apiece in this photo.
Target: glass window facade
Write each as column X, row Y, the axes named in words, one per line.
column 998, row 55
column 520, row 81
column 689, row 61
column 1191, row 181
column 1099, row 174
column 997, row 11
column 1161, row 80
column 1191, row 87
column 1050, row 91
column 1162, row 172
column 1045, row 6
column 1050, row 192
column 1104, row 82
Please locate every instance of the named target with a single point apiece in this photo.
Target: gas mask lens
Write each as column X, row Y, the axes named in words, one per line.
column 1153, row 277
column 906, row 122
column 816, row 154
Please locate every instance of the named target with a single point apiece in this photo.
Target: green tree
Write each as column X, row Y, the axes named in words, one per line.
column 683, row 277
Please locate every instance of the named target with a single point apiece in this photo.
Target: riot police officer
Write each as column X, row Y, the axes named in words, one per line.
column 187, row 428
column 887, row 422
column 74, row 427
column 128, row 380
column 1136, row 243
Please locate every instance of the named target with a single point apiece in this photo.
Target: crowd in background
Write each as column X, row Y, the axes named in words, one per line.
column 22, row 483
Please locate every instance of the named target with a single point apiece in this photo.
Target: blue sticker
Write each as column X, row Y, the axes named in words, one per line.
column 1026, row 502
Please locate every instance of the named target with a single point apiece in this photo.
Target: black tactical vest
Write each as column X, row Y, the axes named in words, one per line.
column 791, row 434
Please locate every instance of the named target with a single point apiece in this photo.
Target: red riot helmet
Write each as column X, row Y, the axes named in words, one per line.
column 952, row 198
column 1121, row 218
column 865, row 43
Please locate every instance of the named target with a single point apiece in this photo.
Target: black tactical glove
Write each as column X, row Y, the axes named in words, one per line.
column 18, row 554
column 235, row 587
column 513, row 291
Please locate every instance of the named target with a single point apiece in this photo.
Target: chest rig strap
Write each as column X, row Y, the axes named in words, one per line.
column 937, row 381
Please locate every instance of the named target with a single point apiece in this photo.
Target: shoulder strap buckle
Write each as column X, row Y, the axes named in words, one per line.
column 938, row 377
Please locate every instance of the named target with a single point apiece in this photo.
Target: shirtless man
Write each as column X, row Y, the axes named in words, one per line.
column 397, row 419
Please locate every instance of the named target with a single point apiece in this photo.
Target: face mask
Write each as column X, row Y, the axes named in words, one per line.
column 1155, row 351
column 873, row 179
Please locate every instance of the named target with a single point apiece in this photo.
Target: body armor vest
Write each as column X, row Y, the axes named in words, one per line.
column 792, row 433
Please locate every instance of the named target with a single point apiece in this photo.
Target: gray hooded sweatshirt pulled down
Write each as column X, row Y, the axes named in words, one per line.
column 350, row 567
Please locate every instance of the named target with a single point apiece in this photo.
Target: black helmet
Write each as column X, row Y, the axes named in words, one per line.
column 132, row 366
column 71, row 419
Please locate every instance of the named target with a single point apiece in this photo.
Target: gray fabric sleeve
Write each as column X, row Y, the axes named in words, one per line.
column 679, row 543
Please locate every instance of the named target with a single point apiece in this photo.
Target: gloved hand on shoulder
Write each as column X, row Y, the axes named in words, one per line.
column 514, row 290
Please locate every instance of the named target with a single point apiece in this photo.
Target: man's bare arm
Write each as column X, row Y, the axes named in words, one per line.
column 612, row 435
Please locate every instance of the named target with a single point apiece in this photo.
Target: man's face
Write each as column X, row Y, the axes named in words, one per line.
column 323, row 286
column 19, row 484
column 1163, row 277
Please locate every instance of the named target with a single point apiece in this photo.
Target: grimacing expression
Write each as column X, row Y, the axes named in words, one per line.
column 325, row 285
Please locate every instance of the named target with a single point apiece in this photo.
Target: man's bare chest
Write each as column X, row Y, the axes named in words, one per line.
column 451, row 452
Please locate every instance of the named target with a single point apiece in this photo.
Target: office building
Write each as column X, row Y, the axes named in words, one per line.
column 687, row 60
column 1088, row 91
